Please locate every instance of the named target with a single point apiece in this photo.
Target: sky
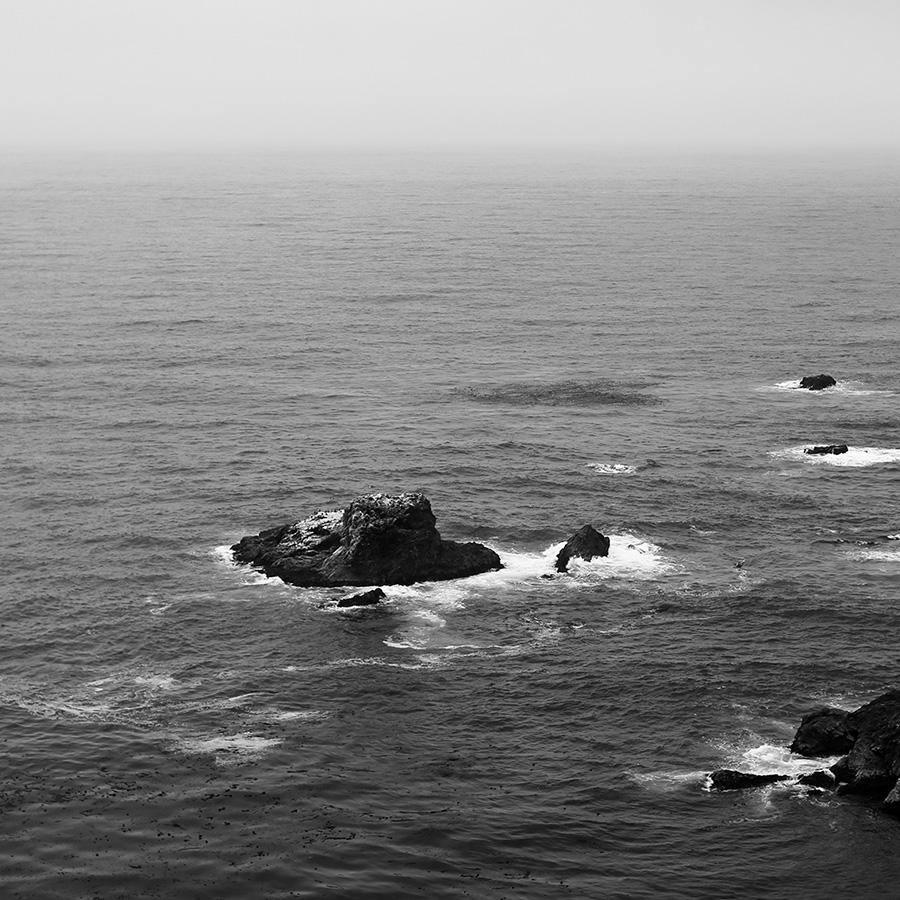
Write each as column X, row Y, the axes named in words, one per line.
column 420, row 73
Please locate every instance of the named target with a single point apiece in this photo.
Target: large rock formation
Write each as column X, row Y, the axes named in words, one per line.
column 817, row 382
column 587, row 543
column 871, row 738
column 823, row 732
column 377, row 539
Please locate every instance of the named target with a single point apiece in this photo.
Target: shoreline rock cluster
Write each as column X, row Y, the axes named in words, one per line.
column 867, row 741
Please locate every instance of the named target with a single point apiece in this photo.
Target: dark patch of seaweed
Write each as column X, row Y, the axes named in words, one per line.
column 599, row 392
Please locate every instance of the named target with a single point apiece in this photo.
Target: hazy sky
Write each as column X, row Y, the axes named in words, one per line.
column 444, row 72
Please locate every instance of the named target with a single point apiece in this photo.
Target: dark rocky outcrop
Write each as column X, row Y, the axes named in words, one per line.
column 817, row 382
column 367, row 598
column 825, row 449
column 377, row 539
column 818, row 779
column 872, row 762
column 586, row 543
column 732, row 780
column 823, row 732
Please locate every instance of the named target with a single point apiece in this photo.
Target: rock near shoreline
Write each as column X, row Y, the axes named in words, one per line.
column 869, row 738
column 378, row 539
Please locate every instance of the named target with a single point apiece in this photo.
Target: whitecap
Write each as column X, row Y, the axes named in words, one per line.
column 855, row 457
column 612, row 468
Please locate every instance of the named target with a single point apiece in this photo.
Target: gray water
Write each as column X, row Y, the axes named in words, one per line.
column 194, row 348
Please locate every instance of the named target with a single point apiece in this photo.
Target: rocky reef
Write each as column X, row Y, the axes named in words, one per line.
column 378, row 539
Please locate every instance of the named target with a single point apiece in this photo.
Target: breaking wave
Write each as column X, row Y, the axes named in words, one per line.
column 612, row 468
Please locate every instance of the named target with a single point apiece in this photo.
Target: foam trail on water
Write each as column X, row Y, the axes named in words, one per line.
column 666, row 782
column 888, row 554
column 855, row 457
column 229, row 748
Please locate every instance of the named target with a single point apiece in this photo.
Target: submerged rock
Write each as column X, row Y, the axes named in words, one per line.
column 367, row 598
column 817, row 382
column 586, row 543
column 823, row 732
column 825, row 449
column 732, row 780
column 872, row 762
column 821, row 778
column 377, row 539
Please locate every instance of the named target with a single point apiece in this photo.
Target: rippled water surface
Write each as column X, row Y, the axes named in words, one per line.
column 197, row 348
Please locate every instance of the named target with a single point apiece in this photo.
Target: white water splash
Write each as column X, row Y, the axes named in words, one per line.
column 846, row 388
column 855, row 457
column 612, row 468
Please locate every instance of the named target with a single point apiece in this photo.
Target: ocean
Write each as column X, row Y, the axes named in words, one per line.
column 197, row 347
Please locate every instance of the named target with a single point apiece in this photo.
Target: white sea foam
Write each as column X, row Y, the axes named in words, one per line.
column 872, row 554
column 855, row 457
column 421, row 633
column 612, row 468
column 771, row 759
column 667, row 781
column 222, row 553
column 305, row 715
column 629, row 557
column 48, row 708
column 249, row 577
column 852, row 388
column 229, row 748
column 423, row 661
column 157, row 682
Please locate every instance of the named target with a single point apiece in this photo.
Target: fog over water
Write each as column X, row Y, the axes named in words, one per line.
column 102, row 73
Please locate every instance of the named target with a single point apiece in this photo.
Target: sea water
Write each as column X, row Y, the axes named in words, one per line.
column 198, row 347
